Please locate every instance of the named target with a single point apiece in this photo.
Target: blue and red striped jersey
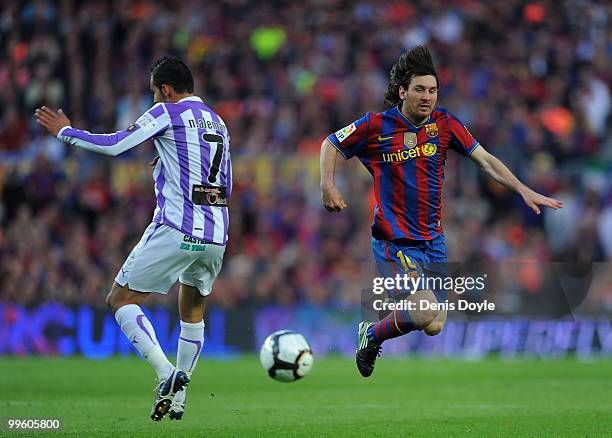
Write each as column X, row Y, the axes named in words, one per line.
column 407, row 163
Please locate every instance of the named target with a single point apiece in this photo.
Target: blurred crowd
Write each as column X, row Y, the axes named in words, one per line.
column 531, row 80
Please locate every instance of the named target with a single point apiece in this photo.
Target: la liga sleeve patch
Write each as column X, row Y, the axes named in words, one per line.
column 147, row 122
column 345, row 132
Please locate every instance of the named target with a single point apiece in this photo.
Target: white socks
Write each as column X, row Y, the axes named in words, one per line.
column 139, row 331
column 190, row 345
column 141, row 334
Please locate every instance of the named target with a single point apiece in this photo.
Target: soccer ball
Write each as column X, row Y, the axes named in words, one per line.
column 286, row 356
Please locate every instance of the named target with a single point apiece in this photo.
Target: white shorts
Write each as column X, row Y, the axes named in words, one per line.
column 165, row 255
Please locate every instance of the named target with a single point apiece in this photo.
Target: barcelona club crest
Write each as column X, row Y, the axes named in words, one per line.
column 410, row 139
column 431, row 130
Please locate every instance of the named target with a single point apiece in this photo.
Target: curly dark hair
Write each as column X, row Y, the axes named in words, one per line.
column 172, row 71
column 415, row 62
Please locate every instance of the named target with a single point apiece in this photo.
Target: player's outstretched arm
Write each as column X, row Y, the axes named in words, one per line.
column 150, row 124
column 330, row 195
column 497, row 170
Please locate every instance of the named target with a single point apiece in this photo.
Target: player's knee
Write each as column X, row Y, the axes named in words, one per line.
column 425, row 317
column 111, row 301
column 114, row 300
column 433, row 329
column 426, row 310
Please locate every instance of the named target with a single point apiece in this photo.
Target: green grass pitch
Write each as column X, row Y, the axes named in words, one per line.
column 404, row 397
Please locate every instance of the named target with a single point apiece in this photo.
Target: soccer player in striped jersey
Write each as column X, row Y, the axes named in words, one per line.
column 186, row 238
column 404, row 148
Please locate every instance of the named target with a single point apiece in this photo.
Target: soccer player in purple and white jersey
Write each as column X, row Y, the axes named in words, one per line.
column 187, row 236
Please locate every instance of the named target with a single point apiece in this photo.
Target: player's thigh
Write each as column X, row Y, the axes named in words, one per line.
column 436, row 269
column 204, row 268
column 155, row 264
column 416, row 257
column 386, row 264
column 393, row 258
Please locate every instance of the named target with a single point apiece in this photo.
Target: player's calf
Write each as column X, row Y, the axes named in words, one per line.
column 137, row 328
column 399, row 322
column 402, row 321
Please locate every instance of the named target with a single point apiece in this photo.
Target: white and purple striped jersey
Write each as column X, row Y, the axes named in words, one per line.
column 193, row 176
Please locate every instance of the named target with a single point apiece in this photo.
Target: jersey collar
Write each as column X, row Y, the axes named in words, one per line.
column 405, row 119
column 190, row 99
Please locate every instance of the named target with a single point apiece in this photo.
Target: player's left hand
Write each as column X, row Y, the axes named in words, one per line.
column 52, row 121
column 332, row 199
column 534, row 199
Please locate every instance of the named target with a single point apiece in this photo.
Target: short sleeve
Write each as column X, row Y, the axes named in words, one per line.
column 462, row 140
column 351, row 139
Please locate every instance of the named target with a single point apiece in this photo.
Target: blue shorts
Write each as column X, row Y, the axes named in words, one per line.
column 423, row 258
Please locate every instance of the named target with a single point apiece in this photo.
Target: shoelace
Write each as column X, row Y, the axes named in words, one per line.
column 375, row 348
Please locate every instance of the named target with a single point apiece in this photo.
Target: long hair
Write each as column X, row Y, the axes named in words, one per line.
column 415, row 62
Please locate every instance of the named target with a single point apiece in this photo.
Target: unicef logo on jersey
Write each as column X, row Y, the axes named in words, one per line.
column 425, row 150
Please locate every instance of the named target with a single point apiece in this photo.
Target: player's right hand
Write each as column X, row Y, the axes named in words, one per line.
column 52, row 121
column 332, row 199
